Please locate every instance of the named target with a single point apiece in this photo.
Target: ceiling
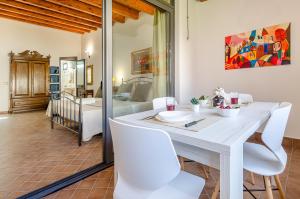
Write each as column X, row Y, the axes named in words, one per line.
column 78, row 16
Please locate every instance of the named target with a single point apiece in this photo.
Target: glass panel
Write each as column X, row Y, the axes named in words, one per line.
column 140, row 62
column 80, row 78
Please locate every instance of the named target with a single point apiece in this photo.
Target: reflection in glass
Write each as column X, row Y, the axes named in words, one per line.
column 140, row 62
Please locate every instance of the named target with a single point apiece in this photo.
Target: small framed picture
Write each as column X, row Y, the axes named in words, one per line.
column 141, row 61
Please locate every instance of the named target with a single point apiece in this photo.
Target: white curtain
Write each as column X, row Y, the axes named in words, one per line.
column 160, row 54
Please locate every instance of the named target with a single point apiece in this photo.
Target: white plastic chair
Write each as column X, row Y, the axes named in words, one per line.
column 269, row 160
column 161, row 102
column 245, row 98
column 147, row 166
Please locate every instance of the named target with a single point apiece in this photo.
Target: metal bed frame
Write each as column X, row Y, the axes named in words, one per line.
column 64, row 112
column 66, row 109
column 139, row 79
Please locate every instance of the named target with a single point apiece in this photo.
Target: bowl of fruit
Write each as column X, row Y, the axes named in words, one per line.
column 228, row 111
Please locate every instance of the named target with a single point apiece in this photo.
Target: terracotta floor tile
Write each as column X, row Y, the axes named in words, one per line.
column 102, row 183
column 33, row 155
column 97, row 193
column 81, row 193
column 87, row 183
column 65, row 194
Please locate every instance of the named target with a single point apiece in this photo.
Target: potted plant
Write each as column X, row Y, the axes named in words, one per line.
column 196, row 104
column 203, row 100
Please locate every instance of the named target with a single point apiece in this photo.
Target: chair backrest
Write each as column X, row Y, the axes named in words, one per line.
column 245, row 98
column 159, row 103
column 273, row 133
column 144, row 158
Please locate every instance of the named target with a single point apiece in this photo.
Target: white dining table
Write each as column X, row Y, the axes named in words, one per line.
column 219, row 145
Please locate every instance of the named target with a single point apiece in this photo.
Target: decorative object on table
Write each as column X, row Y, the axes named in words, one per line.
column 89, row 75
column 196, row 104
column 170, row 103
column 203, row 100
column 228, row 111
column 141, row 61
column 269, row 46
column 219, row 97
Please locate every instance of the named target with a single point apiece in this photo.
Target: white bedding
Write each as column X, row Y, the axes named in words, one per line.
column 92, row 113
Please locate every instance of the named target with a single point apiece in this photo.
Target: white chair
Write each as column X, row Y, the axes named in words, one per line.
column 245, row 98
column 147, row 166
column 161, row 102
column 269, row 160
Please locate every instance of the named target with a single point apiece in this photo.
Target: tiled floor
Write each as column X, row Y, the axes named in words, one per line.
column 33, row 155
column 100, row 185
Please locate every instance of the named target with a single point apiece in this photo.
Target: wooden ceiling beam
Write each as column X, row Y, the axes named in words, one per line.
column 36, row 23
column 139, row 5
column 45, row 17
column 125, row 11
column 50, row 13
column 45, row 22
column 86, row 8
column 117, row 8
column 62, row 9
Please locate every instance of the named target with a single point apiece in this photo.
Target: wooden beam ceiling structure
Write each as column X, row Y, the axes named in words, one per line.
column 78, row 16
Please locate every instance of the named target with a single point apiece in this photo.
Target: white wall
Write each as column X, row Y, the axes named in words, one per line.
column 93, row 42
column 18, row 37
column 200, row 66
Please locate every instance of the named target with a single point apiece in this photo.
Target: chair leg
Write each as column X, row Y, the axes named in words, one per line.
column 279, row 186
column 205, row 172
column 252, row 178
column 268, row 187
column 216, row 191
column 181, row 160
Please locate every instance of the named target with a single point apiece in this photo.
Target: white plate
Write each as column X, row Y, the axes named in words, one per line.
column 174, row 116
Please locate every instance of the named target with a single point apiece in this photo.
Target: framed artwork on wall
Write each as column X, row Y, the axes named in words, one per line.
column 141, row 61
column 89, row 75
column 264, row 47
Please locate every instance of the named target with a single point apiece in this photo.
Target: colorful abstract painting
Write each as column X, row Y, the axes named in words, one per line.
column 269, row 46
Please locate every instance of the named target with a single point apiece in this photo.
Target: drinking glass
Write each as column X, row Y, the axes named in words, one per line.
column 234, row 98
column 170, row 103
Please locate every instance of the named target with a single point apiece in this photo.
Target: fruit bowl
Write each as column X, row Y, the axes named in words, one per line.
column 228, row 111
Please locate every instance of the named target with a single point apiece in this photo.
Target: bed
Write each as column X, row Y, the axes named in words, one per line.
column 84, row 115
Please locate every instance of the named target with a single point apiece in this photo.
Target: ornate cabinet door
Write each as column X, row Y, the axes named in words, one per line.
column 21, row 79
column 39, row 78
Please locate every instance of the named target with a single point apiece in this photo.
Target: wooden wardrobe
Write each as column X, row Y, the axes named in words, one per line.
column 29, row 81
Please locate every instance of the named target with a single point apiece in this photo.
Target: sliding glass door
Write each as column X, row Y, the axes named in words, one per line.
column 138, row 60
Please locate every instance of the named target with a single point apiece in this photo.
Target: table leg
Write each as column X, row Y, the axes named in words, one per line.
column 231, row 173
